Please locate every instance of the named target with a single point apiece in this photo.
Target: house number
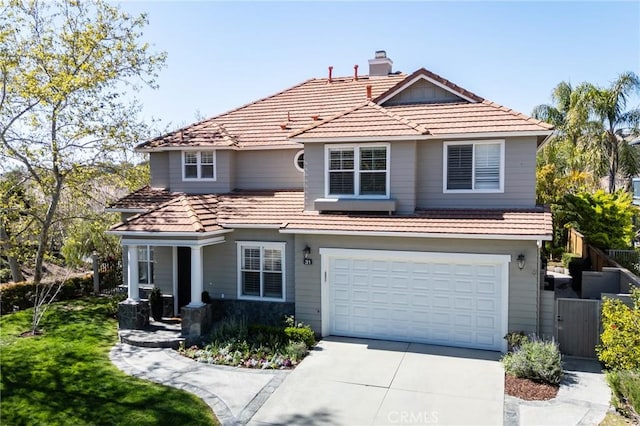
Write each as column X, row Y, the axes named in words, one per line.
column 308, row 261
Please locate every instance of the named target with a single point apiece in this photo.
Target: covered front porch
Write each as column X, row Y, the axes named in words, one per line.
column 175, row 266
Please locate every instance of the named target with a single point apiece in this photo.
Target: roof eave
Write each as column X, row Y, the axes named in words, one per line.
column 517, row 237
column 545, row 133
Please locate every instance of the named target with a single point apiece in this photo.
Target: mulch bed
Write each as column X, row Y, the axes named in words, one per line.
column 528, row 390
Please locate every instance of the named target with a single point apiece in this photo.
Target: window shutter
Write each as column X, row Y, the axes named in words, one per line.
column 459, row 166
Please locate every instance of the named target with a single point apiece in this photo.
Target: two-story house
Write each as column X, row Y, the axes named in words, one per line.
column 386, row 205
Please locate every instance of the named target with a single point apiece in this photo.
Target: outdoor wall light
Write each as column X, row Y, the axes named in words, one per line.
column 521, row 261
column 307, row 252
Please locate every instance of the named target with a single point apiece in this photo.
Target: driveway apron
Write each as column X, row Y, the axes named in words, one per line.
column 369, row 382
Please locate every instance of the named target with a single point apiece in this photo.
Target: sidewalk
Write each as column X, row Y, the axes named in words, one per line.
column 239, row 392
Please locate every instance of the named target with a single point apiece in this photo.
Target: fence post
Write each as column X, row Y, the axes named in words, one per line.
column 96, row 273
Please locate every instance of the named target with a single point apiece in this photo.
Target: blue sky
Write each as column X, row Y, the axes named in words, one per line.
column 224, row 54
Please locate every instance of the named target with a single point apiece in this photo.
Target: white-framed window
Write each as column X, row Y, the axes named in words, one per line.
column 473, row 166
column 261, row 270
column 198, row 165
column 360, row 170
column 298, row 161
column 145, row 265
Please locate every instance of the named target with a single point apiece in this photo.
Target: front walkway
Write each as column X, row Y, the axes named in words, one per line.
column 234, row 394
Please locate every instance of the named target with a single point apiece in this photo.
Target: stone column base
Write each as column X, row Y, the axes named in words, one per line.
column 133, row 315
column 196, row 322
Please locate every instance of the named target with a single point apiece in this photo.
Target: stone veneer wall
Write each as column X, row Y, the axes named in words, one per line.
column 268, row 313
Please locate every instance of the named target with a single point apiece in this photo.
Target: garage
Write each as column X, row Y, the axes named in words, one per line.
column 452, row 299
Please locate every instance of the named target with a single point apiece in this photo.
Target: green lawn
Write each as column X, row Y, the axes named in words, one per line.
column 64, row 376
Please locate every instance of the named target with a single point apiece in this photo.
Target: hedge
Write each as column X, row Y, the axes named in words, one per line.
column 18, row 296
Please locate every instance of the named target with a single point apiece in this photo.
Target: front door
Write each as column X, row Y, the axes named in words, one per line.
column 184, row 276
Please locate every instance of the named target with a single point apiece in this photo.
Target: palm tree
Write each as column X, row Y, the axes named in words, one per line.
column 612, row 126
column 569, row 119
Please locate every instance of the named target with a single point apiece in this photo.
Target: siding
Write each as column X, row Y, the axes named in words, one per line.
column 423, row 91
column 519, row 186
column 264, row 169
column 222, row 184
column 523, row 286
column 163, row 269
column 159, row 165
column 313, row 174
column 402, row 176
column 220, row 262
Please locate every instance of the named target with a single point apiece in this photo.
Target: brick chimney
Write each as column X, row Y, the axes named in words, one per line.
column 380, row 65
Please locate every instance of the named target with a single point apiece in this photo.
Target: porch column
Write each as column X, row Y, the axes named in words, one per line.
column 196, row 277
column 132, row 272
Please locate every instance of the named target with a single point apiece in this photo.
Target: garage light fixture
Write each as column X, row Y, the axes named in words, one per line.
column 307, row 252
column 521, row 261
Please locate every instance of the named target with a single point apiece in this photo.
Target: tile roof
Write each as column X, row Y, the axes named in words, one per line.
column 183, row 213
column 481, row 222
column 338, row 108
column 270, row 120
column 367, row 119
column 284, row 210
column 434, row 119
column 142, row 199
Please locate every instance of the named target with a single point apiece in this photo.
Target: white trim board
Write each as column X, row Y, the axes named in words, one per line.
column 419, row 235
column 463, row 136
column 173, row 243
column 194, row 235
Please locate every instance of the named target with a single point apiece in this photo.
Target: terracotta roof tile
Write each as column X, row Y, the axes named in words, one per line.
column 367, row 119
column 142, row 199
column 530, row 222
column 284, row 210
column 434, row 119
column 259, row 123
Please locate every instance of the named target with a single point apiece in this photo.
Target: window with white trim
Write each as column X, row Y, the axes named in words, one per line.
column 474, row 166
column 298, row 161
column 261, row 271
column 358, row 171
column 145, row 265
column 199, row 165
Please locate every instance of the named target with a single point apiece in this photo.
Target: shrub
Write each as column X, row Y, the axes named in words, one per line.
column 626, row 392
column 231, row 328
column 155, row 303
column 536, row 360
column 111, row 307
column 301, row 334
column 621, row 334
column 296, row 351
column 18, row 296
column 515, row 339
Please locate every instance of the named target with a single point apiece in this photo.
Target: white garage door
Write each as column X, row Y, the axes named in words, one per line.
column 437, row 298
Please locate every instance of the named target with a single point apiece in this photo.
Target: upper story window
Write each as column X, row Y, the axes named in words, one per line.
column 199, row 165
column 474, row 166
column 261, row 270
column 357, row 171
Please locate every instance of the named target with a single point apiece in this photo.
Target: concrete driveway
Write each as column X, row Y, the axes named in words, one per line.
column 371, row 382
